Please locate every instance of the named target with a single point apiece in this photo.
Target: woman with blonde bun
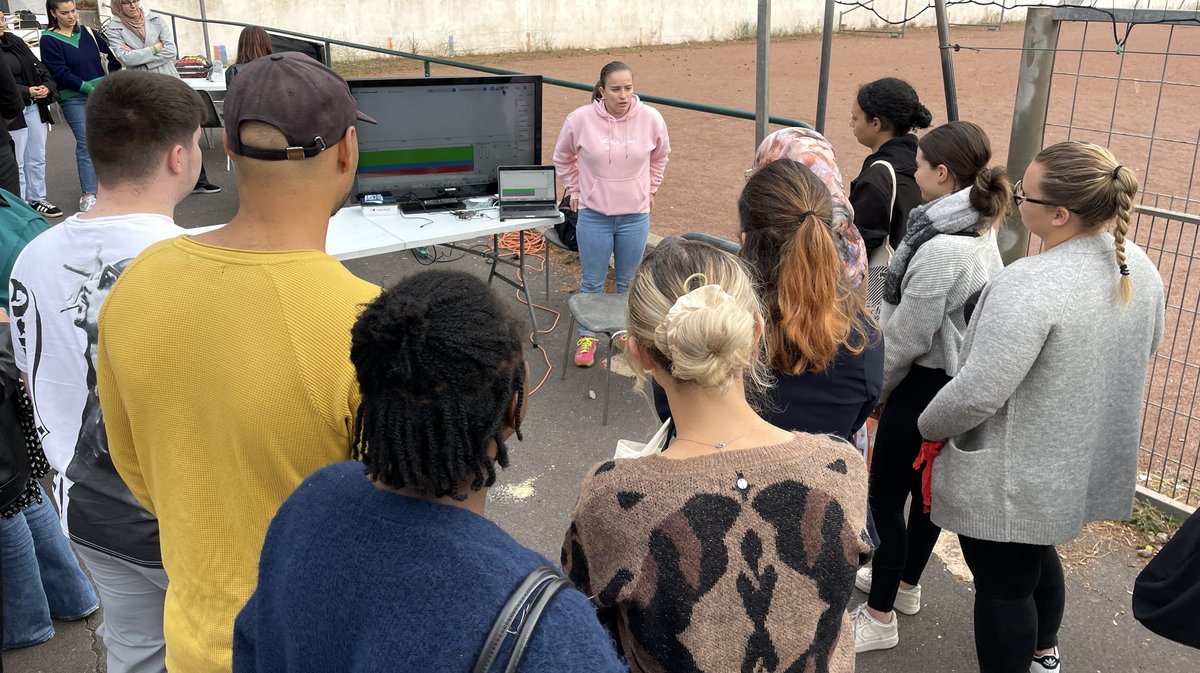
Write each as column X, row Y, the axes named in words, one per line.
column 736, row 547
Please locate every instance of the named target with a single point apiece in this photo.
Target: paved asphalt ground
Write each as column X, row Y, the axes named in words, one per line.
column 563, row 437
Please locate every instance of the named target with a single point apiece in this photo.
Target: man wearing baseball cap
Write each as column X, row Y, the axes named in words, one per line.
column 224, row 367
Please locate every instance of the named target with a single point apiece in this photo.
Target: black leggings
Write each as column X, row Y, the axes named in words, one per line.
column 1019, row 602
column 903, row 550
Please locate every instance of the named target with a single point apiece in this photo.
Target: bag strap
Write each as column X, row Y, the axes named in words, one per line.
column 892, row 172
column 527, row 602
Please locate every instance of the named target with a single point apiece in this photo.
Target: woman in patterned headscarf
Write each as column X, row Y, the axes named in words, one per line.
column 807, row 147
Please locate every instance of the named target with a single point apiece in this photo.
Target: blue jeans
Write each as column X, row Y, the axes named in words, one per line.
column 42, row 578
column 621, row 237
column 30, row 147
column 73, row 109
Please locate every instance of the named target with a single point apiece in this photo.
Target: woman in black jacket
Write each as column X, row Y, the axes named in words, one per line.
column 28, row 131
column 884, row 115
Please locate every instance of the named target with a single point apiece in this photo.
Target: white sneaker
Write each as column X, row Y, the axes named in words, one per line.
column 86, row 202
column 872, row 634
column 908, row 601
column 1048, row 663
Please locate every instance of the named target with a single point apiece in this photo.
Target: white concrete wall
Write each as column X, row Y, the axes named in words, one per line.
column 481, row 26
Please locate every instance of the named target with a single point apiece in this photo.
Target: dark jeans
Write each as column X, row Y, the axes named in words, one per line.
column 903, row 550
column 1019, row 602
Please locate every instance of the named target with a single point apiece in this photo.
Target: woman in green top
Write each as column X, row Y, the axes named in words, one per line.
column 72, row 52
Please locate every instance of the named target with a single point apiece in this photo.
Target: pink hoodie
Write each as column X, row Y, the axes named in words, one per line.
column 606, row 179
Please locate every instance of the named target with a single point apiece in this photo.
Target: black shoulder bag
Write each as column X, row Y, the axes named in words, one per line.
column 519, row 617
column 566, row 228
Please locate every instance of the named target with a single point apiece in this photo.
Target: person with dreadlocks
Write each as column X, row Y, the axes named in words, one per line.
column 392, row 550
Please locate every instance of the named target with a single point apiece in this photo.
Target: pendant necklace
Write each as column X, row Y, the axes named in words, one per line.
column 718, row 445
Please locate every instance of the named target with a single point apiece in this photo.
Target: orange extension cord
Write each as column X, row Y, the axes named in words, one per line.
column 535, row 246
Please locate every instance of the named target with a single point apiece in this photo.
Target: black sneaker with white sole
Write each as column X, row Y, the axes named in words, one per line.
column 46, row 209
column 206, row 188
column 1046, row 664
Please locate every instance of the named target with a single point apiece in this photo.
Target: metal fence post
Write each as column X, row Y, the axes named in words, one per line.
column 204, row 27
column 826, row 56
column 1029, row 116
column 762, row 75
column 943, row 26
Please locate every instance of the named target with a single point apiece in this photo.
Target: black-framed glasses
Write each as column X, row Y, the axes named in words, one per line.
column 1019, row 197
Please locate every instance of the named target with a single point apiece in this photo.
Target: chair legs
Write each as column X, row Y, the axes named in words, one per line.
column 607, row 370
column 608, row 373
column 567, row 352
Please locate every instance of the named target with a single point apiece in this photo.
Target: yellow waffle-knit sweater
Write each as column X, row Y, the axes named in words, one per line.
column 225, row 380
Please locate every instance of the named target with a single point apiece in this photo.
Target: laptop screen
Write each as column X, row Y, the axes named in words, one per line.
column 521, row 185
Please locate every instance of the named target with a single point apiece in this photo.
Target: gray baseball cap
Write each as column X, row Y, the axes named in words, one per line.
column 309, row 103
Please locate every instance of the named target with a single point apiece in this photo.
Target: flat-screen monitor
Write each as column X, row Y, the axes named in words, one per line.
column 314, row 50
column 441, row 139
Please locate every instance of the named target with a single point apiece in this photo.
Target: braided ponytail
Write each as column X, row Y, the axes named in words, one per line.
column 1126, row 188
column 1086, row 179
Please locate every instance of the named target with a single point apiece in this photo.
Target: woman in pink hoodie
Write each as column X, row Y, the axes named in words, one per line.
column 611, row 155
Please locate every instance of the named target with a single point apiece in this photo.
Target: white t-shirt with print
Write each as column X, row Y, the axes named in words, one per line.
column 57, row 286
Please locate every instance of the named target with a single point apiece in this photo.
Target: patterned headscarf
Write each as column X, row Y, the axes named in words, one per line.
column 810, row 148
column 132, row 16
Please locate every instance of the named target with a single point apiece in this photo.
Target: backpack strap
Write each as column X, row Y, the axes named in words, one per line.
column 526, row 604
column 892, row 172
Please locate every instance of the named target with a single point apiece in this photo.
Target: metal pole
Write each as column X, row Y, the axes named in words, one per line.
column 826, row 55
column 204, row 26
column 1029, row 116
column 762, row 72
column 943, row 23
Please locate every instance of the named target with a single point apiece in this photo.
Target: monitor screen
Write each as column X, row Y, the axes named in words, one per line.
column 442, row 138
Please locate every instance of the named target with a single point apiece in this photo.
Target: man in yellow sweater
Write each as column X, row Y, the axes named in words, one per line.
column 224, row 366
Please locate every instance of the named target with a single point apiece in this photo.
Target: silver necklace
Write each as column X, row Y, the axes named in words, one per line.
column 718, row 445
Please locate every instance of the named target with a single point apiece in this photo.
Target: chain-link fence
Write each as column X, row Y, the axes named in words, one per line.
column 1134, row 87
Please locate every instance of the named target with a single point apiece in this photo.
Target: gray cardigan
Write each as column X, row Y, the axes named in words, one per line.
column 927, row 327
column 1044, row 415
column 142, row 56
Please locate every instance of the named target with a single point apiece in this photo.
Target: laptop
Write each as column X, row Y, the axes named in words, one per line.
column 527, row 192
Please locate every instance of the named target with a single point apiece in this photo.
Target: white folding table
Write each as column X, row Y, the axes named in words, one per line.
column 353, row 234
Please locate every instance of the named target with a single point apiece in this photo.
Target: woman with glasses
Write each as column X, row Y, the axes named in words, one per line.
column 947, row 255
column 1043, row 420
column 141, row 40
column 72, row 53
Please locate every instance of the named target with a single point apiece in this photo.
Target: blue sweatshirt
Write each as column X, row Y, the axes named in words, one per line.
column 355, row 578
column 74, row 60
